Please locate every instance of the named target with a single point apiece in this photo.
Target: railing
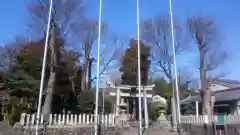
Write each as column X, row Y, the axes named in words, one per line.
column 228, row 119
column 67, row 119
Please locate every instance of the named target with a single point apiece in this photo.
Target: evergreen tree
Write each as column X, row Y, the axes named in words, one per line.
column 129, row 69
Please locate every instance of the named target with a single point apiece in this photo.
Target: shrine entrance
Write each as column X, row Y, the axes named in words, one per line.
column 126, row 101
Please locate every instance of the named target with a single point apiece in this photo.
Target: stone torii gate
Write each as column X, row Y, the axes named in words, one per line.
column 124, row 91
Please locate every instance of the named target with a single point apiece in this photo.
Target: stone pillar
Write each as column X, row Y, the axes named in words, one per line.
column 238, row 107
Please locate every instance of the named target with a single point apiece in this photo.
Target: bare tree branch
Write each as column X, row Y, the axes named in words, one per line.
column 206, row 35
column 8, row 54
column 65, row 13
column 110, row 54
column 87, row 32
column 157, row 33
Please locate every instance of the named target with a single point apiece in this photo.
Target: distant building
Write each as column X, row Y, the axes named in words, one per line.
column 226, row 94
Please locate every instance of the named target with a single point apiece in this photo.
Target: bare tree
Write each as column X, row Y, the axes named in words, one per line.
column 65, row 13
column 109, row 49
column 110, row 53
column 8, row 53
column 157, row 33
column 87, row 32
column 7, row 57
column 207, row 37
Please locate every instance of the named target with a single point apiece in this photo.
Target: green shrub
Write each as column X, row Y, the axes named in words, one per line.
column 6, row 116
column 15, row 115
column 153, row 113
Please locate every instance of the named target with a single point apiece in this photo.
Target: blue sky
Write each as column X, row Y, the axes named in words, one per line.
column 120, row 15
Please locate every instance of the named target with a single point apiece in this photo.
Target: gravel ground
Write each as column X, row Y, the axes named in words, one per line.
column 6, row 129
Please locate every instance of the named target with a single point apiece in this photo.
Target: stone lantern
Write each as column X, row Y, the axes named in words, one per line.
column 160, row 103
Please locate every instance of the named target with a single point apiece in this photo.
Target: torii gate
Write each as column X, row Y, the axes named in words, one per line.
column 119, row 93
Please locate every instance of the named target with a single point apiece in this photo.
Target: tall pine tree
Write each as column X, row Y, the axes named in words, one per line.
column 129, row 69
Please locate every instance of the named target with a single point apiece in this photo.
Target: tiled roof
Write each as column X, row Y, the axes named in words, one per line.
column 225, row 95
column 228, row 82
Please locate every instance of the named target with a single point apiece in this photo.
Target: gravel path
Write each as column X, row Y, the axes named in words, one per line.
column 6, row 129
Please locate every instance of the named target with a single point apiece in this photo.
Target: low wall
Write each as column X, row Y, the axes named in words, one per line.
column 64, row 130
column 66, row 124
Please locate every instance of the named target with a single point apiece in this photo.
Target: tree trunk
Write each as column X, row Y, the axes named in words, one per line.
column 71, row 79
column 85, row 65
column 54, row 48
column 48, row 98
column 89, row 82
column 205, row 94
column 83, row 79
column 212, row 103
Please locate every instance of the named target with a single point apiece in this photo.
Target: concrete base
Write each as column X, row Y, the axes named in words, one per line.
column 174, row 128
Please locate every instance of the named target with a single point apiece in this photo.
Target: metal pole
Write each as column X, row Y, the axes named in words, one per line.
column 173, row 104
column 139, row 71
column 145, row 108
column 98, row 67
column 103, row 111
column 43, row 68
column 174, row 64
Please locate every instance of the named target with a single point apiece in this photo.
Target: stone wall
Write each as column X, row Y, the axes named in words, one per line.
column 65, row 130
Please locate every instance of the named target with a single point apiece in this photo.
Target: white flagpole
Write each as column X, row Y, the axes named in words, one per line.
column 174, row 64
column 43, row 68
column 98, row 66
column 139, row 71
